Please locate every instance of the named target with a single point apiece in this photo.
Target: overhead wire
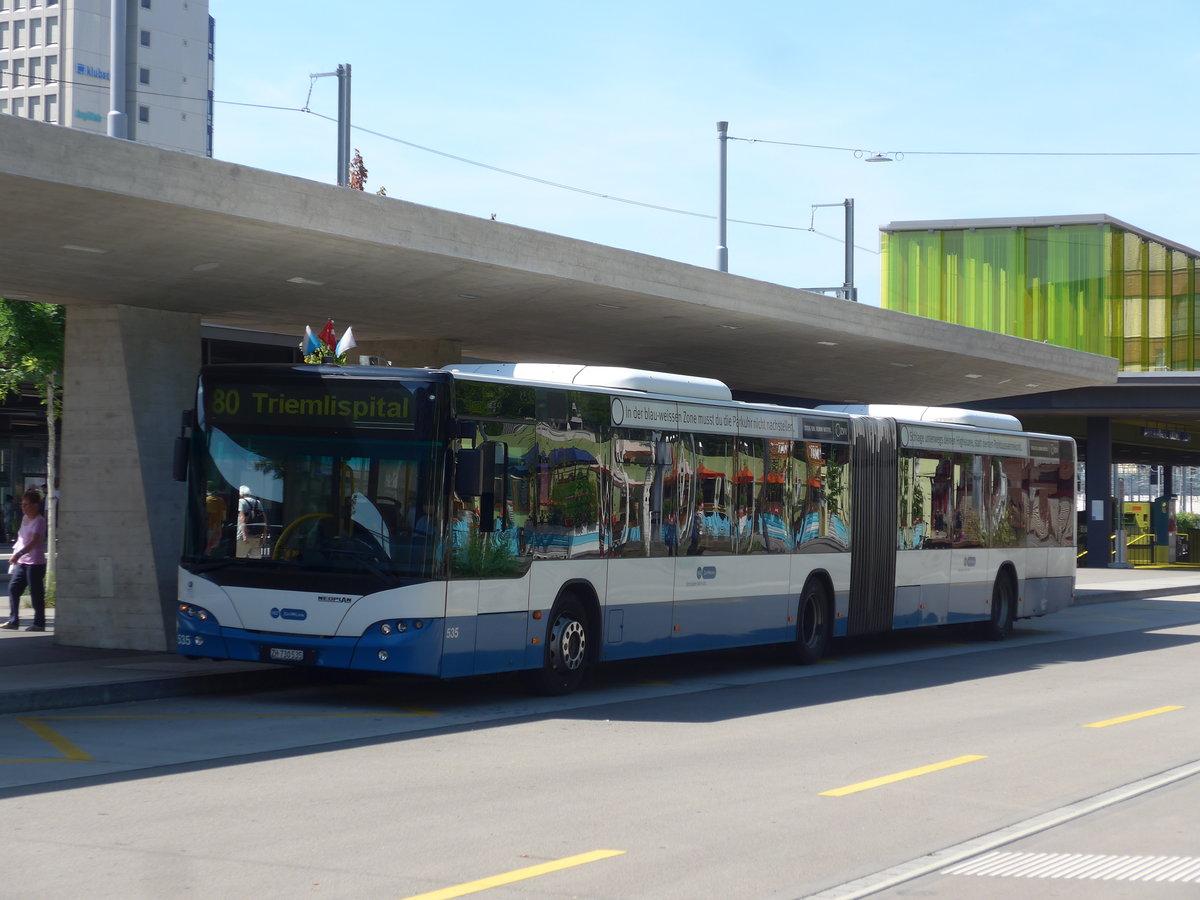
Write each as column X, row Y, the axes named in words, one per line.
column 578, row 190
column 974, row 152
column 626, row 200
column 514, row 174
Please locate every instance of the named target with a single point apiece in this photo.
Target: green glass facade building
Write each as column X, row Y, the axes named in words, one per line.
column 1089, row 283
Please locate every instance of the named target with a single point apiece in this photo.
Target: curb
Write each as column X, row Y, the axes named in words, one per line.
column 1088, row 598
column 36, row 699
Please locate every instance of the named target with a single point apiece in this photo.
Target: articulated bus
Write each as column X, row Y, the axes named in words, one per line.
column 494, row 518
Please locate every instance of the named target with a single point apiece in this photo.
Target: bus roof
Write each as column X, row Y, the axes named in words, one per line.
column 942, row 415
column 690, row 386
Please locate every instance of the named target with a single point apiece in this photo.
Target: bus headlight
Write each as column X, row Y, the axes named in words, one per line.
column 194, row 612
column 383, row 655
column 386, row 628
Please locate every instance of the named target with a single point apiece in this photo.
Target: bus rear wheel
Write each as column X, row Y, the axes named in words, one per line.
column 1004, row 602
column 565, row 655
column 814, row 626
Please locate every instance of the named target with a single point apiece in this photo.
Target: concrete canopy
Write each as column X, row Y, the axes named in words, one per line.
column 96, row 221
column 1155, row 419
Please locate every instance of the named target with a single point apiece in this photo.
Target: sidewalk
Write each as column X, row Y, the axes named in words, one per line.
column 37, row 674
column 1107, row 585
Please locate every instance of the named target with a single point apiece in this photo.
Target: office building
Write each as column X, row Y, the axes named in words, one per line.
column 1091, row 283
column 56, row 66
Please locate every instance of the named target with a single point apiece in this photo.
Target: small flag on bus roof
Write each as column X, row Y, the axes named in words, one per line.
column 328, row 336
column 345, row 343
column 311, row 344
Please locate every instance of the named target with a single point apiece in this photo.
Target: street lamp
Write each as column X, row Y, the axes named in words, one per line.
column 849, row 291
column 722, row 246
column 343, row 128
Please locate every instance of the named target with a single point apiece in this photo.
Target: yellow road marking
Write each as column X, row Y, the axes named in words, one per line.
column 1142, row 715
column 70, row 752
column 483, row 884
column 900, row 776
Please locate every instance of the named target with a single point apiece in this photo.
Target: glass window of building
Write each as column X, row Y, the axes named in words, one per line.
column 4, row 74
column 35, row 32
column 18, row 106
column 145, row 38
column 145, row 4
column 143, row 75
column 51, row 109
column 143, row 114
column 35, row 108
column 1094, row 286
column 18, row 34
column 52, row 29
column 3, row 36
column 35, row 71
column 51, row 69
column 18, row 73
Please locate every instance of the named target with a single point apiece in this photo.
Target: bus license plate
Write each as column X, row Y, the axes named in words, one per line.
column 286, row 654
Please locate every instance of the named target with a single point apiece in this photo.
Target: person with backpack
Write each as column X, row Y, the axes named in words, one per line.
column 251, row 525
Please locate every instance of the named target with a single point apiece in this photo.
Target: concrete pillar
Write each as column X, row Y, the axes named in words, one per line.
column 1098, row 473
column 414, row 353
column 129, row 374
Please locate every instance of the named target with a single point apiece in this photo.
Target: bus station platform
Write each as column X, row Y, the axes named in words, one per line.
column 38, row 674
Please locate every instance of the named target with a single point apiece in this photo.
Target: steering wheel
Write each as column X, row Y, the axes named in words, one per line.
column 277, row 552
column 348, row 545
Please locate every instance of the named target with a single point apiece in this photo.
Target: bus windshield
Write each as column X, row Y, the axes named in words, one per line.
column 326, row 478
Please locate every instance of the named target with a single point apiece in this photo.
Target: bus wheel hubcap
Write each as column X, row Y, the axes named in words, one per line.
column 568, row 643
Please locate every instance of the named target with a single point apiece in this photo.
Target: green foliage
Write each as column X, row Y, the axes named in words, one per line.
column 834, row 480
column 318, row 357
column 32, row 338
column 486, row 555
column 1186, row 521
column 574, row 501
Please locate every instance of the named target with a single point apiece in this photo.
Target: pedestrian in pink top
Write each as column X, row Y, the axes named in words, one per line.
column 27, row 565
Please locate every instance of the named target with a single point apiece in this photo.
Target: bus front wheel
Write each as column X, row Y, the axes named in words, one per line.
column 814, row 626
column 565, row 654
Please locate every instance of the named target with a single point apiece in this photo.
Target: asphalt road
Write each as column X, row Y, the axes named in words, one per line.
column 887, row 771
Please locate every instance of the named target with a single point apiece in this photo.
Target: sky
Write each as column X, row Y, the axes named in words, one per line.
column 621, row 99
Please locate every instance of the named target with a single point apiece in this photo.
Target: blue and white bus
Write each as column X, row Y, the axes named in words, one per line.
column 493, row 518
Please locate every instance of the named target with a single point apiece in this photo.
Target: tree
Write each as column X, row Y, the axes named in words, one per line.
column 32, row 339
column 358, row 172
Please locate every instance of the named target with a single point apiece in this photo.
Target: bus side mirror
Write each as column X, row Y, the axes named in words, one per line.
column 468, row 473
column 480, row 472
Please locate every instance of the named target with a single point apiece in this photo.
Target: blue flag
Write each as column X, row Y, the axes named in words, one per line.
column 311, row 344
